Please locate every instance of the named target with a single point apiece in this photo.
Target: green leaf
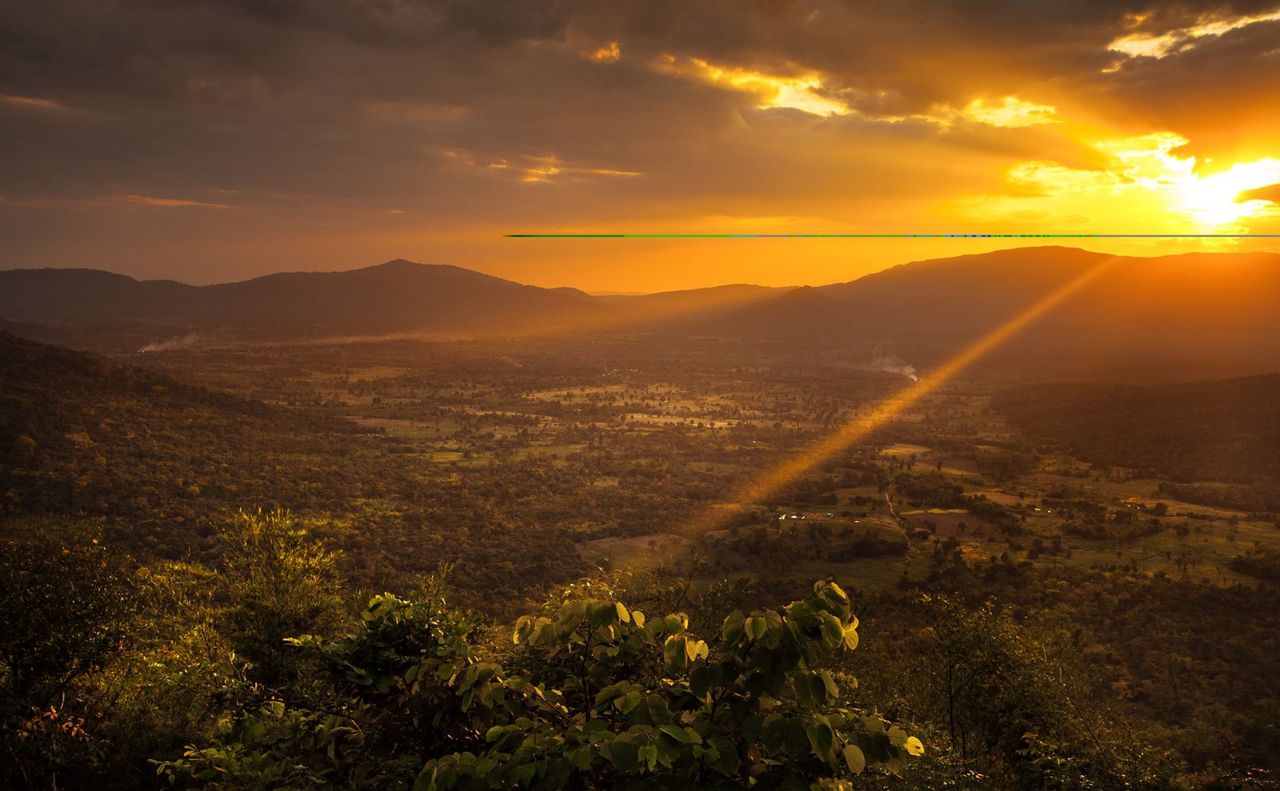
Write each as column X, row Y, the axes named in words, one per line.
column 726, row 760
column 626, row 703
column 832, row 630
column 682, row 735
column 733, row 624
column 897, row 736
column 854, row 758
column 674, row 653
column 829, row 683
column 821, row 738
column 851, row 637
column 648, row 756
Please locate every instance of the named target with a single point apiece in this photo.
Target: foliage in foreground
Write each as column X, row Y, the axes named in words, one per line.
column 597, row 695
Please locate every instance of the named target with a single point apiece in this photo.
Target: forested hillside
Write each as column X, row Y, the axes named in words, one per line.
column 163, row 464
column 1226, row 431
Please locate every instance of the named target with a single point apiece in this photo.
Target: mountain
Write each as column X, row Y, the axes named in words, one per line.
column 85, row 295
column 1195, row 307
column 644, row 308
column 92, row 308
column 799, row 314
column 395, row 297
column 1198, row 312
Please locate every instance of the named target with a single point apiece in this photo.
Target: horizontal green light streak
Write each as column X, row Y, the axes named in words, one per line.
column 892, row 235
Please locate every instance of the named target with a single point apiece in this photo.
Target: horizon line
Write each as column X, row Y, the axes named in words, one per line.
column 749, row 235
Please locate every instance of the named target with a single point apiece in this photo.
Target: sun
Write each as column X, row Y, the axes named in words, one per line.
column 1211, row 201
column 1214, row 201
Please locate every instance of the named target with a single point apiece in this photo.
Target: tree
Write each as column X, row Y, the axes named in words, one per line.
column 63, row 606
column 280, row 583
column 1016, row 713
column 64, row 603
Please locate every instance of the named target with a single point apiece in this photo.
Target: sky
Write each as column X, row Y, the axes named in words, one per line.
column 217, row 140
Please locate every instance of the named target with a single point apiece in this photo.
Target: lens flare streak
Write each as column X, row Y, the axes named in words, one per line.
column 891, row 408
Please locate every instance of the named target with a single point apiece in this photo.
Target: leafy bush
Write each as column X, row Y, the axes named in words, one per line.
column 599, row 696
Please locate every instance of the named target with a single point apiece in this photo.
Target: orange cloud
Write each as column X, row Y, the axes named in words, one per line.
column 804, row 90
column 1135, row 45
column 609, row 53
column 164, row 203
column 1144, row 187
column 31, row 102
column 1010, row 112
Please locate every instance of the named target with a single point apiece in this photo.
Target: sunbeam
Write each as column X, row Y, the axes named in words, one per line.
column 891, row 408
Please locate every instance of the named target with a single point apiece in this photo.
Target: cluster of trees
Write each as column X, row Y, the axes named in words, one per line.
column 1198, row 431
column 811, row 539
column 254, row 674
column 265, row 670
column 1188, row 666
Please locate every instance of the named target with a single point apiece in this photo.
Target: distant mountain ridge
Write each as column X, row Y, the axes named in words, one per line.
column 395, row 296
column 1206, row 307
column 398, row 296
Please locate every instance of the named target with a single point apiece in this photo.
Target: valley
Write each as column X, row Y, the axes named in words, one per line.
column 1097, row 517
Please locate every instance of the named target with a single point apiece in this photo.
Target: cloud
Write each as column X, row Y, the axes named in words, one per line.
column 1011, row 112
column 1146, row 186
column 609, row 53
column 31, row 103
column 320, row 114
column 801, row 90
column 550, row 168
column 152, row 202
column 1160, row 44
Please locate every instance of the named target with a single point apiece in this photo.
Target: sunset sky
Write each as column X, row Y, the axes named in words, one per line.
column 212, row 141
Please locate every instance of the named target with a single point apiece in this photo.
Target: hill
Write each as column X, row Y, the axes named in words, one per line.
column 1218, row 308
column 95, row 309
column 394, row 297
column 84, row 436
column 643, row 309
column 164, row 463
column 800, row 314
column 1209, row 312
column 1219, row 431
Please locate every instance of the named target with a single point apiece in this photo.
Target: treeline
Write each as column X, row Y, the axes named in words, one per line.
column 264, row 671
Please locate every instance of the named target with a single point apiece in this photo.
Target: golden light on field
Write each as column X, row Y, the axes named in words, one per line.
column 892, row 408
